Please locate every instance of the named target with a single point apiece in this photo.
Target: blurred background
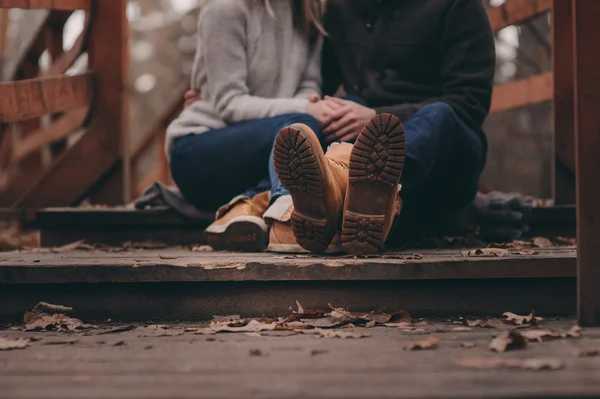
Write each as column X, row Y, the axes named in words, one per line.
column 162, row 47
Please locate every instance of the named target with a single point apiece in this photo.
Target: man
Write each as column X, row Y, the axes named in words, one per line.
column 430, row 63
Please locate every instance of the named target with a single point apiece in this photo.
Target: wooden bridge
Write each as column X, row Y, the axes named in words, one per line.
column 81, row 119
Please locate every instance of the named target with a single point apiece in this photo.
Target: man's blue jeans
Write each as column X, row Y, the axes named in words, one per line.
column 444, row 160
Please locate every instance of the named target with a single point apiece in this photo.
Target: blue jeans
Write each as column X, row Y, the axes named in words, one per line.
column 444, row 160
column 213, row 167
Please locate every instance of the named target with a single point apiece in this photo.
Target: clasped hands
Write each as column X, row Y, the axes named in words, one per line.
column 341, row 120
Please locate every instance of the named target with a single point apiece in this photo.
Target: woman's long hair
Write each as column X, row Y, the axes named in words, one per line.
column 308, row 16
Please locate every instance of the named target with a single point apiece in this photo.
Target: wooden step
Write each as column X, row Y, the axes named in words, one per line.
column 181, row 284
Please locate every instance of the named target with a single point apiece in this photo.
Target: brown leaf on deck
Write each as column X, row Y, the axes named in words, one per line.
column 539, row 335
column 541, row 242
column 487, row 363
column 11, row 344
column 333, row 333
column 486, row 253
column 565, row 241
column 588, row 352
column 508, row 340
column 118, row 329
column 227, row 319
column 574, row 332
column 50, row 308
column 252, row 326
column 522, row 320
column 468, row 345
column 428, row 343
column 202, row 248
column 73, row 246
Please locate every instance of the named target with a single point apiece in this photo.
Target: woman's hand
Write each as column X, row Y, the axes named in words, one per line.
column 190, row 97
column 321, row 110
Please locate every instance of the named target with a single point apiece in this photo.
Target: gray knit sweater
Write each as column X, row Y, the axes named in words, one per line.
column 248, row 66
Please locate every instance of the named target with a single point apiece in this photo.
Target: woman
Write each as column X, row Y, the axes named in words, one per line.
column 258, row 69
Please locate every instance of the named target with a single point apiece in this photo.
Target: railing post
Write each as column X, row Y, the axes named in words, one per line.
column 109, row 58
column 586, row 36
column 562, row 65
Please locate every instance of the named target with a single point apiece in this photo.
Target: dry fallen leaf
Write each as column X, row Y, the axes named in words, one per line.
column 333, row 333
column 589, row 352
column 118, row 329
column 521, row 320
column 300, row 308
column 486, row 252
column 252, row 326
column 202, row 248
column 227, row 319
column 541, row 242
column 508, row 340
column 370, row 324
column 502, row 363
column 468, row 345
column 565, row 241
column 428, row 343
column 574, row 332
column 538, row 335
column 10, row 344
column 73, row 246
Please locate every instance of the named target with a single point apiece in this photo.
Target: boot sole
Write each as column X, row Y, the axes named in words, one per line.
column 300, row 165
column 239, row 236
column 376, row 165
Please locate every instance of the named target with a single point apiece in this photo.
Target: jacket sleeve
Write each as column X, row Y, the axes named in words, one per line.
column 468, row 64
column 223, row 40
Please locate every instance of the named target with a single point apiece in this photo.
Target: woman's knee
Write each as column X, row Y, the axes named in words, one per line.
column 305, row 119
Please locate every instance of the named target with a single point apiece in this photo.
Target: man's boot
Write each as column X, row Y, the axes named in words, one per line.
column 317, row 185
column 372, row 200
column 239, row 225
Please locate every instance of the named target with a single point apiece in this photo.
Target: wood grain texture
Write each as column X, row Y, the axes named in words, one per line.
column 67, row 182
column 170, row 265
column 528, row 91
column 32, row 98
column 69, row 5
column 563, row 113
column 185, row 366
column 514, row 12
column 587, row 147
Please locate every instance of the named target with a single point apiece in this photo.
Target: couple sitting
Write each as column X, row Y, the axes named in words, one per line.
column 418, row 74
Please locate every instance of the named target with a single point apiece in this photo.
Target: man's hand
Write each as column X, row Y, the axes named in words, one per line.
column 190, row 97
column 347, row 121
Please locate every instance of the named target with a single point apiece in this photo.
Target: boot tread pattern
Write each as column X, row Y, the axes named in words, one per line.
column 379, row 152
column 295, row 162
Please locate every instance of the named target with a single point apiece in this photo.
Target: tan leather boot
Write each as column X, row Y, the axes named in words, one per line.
column 239, row 225
column 317, row 186
column 282, row 239
column 372, row 200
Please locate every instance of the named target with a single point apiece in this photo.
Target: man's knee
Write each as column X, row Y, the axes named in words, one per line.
column 440, row 110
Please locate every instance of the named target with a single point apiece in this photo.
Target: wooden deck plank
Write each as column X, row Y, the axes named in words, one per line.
column 149, row 366
column 186, row 266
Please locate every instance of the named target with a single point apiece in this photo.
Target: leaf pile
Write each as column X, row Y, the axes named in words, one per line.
column 45, row 317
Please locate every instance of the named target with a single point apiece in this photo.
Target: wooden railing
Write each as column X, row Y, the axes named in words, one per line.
column 555, row 86
column 40, row 110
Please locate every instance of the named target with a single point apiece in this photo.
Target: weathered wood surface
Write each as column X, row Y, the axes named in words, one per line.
column 171, row 265
column 516, row 11
column 40, row 96
column 528, row 91
column 587, row 144
column 145, row 365
column 69, row 5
